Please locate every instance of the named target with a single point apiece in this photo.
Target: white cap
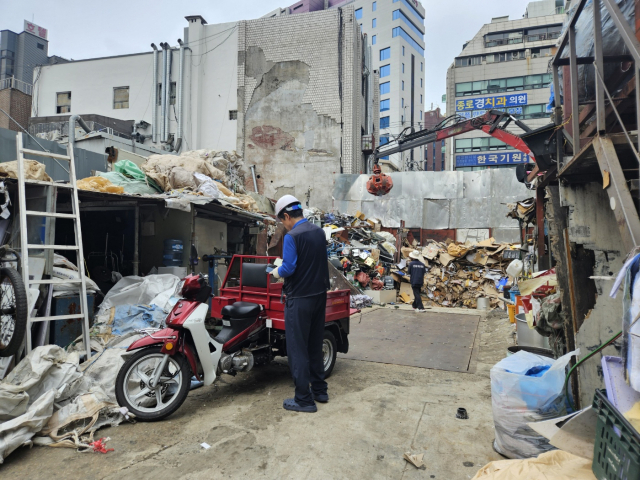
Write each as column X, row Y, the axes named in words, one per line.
column 285, row 201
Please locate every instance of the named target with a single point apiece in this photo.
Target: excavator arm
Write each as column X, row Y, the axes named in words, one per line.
column 492, row 123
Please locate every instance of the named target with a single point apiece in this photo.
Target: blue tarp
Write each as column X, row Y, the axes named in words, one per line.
column 129, row 318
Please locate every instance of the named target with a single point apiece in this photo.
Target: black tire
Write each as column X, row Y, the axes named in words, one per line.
column 19, row 304
column 329, row 342
column 181, row 395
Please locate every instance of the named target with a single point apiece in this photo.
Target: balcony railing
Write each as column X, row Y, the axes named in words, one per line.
column 543, row 36
column 13, row 82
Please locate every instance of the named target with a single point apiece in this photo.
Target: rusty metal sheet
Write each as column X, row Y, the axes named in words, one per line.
column 441, row 341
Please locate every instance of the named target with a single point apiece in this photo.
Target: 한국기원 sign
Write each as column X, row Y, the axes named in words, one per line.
column 487, row 103
column 491, row 159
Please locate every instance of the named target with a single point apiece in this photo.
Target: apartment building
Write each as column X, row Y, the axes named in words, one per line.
column 395, row 32
column 504, row 67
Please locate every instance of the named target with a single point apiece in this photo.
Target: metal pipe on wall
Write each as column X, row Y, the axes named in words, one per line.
column 167, row 101
column 179, row 93
column 163, row 98
column 154, row 126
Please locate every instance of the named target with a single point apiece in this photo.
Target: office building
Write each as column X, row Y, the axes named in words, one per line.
column 395, row 31
column 503, row 67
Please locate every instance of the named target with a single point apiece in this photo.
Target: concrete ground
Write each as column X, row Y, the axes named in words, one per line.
column 376, row 413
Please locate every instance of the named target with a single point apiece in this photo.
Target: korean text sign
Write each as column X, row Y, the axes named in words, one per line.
column 487, row 103
column 491, row 159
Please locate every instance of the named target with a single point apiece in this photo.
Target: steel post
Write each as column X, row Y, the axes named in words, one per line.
column 597, row 30
column 575, row 107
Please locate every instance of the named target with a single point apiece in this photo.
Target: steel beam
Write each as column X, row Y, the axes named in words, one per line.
column 575, row 106
column 624, row 208
column 558, row 115
column 598, row 62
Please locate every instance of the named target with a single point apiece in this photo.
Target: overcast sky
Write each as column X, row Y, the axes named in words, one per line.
column 85, row 29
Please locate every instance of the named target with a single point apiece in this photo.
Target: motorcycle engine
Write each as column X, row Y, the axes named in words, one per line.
column 238, row 362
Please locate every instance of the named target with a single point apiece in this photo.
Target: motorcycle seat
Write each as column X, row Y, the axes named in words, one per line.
column 241, row 310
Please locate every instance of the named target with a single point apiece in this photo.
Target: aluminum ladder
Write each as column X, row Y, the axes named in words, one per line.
column 25, row 246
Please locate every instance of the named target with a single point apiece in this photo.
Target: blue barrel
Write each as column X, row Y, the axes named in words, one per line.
column 172, row 255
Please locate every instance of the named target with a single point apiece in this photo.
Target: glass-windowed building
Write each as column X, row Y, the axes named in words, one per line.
column 504, row 67
column 395, row 29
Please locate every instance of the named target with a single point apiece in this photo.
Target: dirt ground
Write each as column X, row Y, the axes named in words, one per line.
column 376, row 413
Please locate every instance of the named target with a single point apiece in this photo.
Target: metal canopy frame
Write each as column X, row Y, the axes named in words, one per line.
column 601, row 144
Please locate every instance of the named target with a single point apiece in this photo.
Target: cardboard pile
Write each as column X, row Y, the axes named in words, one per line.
column 457, row 274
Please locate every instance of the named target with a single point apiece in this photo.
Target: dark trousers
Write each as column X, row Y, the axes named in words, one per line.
column 417, row 299
column 304, row 332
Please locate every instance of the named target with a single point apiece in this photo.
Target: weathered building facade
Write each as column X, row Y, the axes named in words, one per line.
column 300, row 102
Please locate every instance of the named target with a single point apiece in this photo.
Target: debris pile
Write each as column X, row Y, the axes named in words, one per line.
column 192, row 175
column 458, row 274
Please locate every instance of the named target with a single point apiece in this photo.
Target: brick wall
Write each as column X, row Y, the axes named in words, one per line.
column 300, row 106
column 16, row 104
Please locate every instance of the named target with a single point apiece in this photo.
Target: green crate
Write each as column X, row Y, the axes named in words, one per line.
column 616, row 454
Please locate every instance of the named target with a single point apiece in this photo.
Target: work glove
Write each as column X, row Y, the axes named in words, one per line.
column 275, row 273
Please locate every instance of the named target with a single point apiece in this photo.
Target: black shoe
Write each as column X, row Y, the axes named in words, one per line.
column 291, row 404
column 322, row 398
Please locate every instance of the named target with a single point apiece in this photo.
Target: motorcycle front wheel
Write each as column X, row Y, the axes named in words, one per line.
column 147, row 403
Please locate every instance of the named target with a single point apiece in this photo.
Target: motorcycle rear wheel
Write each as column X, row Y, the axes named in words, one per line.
column 152, row 404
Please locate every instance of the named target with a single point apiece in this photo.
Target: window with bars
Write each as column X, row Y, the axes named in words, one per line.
column 63, row 102
column 233, row 114
column 120, row 97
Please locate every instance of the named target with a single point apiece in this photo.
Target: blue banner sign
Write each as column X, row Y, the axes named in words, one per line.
column 478, row 113
column 491, row 159
column 487, row 103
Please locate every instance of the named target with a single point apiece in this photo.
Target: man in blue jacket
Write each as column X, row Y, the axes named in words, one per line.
column 417, row 271
column 306, row 280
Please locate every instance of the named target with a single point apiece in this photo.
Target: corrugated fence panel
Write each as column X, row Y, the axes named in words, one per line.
column 85, row 161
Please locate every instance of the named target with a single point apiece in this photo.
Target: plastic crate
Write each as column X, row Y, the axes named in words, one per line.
column 616, row 453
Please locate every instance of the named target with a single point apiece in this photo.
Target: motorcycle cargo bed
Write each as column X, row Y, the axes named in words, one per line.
column 338, row 301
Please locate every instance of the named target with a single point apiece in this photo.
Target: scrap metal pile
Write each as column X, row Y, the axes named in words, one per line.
column 457, row 274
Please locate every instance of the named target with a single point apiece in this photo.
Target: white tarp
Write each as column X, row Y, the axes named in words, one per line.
column 134, row 290
column 21, row 429
column 45, row 369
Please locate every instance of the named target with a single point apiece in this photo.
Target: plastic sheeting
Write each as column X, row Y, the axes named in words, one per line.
column 612, row 44
column 518, row 398
column 129, row 318
column 134, row 290
column 129, row 185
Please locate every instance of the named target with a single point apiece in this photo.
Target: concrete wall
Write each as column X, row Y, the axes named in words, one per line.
column 298, row 118
column 439, row 201
column 592, row 227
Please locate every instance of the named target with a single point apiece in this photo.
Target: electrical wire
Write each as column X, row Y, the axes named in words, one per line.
column 211, row 50
column 566, row 380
